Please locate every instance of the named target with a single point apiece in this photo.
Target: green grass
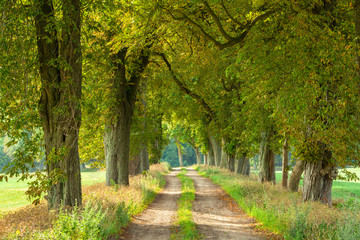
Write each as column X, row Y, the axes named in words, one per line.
column 340, row 190
column 90, row 178
column 285, row 213
column 186, row 227
column 12, row 193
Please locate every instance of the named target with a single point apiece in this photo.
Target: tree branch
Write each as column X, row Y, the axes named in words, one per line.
column 259, row 18
column 206, row 35
column 229, row 15
column 209, row 112
column 218, row 22
column 231, row 41
column 226, row 88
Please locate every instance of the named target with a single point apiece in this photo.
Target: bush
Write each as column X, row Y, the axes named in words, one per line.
column 73, row 224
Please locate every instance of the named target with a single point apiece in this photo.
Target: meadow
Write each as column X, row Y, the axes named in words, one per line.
column 345, row 190
column 12, row 193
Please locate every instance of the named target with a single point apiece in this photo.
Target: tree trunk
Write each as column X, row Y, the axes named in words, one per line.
column 179, row 153
column 144, row 164
column 224, row 155
column 117, row 130
column 206, row 159
column 217, row 150
column 266, row 159
column 243, row 166
column 285, row 163
column 111, row 151
column 59, row 105
column 198, row 156
column 296, row 176
column 319, row 176
column 156, row 145
column 117, row 146
column 134, row 166
column 144, row 160
column 231, row 164
column 211, row 158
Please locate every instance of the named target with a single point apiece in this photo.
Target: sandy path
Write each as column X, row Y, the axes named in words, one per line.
column 213, row 216
column 155, row 222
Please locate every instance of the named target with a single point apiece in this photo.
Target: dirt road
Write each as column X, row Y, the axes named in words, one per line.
column 155, row 222
column 211, row 213
column 213, row 216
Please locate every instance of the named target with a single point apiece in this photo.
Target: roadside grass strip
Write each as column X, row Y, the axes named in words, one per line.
column 186, row 228
column 283, row 212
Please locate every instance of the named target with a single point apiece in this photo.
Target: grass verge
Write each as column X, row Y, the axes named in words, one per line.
column 186, row 228
column 284, row 213
column 105, row 213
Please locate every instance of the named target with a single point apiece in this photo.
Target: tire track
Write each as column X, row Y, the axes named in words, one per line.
column 213, row 215
column 156, row 221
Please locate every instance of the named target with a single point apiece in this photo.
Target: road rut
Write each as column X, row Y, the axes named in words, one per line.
column 213, row 216
column 156, row 221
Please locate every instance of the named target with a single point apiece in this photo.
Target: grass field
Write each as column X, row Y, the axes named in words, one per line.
column 12, row 193
column 341, row 189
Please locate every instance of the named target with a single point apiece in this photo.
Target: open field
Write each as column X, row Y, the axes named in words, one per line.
column 12, row 193
column 341, row 189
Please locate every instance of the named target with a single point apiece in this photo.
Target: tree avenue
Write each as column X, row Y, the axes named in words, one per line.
column 233, row 79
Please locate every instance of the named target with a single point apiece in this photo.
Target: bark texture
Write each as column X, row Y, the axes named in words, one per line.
column 206, row 159
column 267, row 159
column 285, row 164
column 296, row 176
column 59, row 105
column 144, row 160
column 217, row 150
column 144, row 164
column 198, row 156
column 156, row 144
column 231, row 162
column 211, row 158
column 117, row 130
column 224, row 156
column 243, row 166
column 318, row 176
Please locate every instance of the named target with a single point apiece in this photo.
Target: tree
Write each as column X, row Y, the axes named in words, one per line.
column 285, row 163
column 59, row 107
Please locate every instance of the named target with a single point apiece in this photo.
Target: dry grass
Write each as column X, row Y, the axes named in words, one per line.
column 37, row 218
column 25, row 219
